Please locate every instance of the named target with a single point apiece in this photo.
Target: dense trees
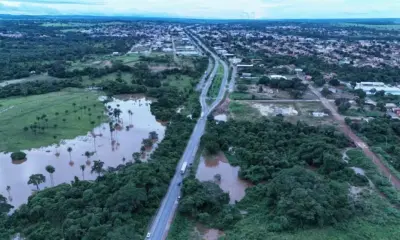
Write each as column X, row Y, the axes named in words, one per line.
column 52, row 49
column 383, row 134
column 206, row 202
column 298, row 197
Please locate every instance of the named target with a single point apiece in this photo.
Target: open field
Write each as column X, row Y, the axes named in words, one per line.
column 243, row 111
column 293, row 112
column 127, row 77
column 101, row 61
column 20, row 112
column 216, row 84
column 41, row 77
column 183, row 82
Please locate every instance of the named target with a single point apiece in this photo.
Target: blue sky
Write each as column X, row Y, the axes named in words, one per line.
column 219, row 9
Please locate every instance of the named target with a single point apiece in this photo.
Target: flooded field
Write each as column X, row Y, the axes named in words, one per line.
column 113, row 148
column 229, row 182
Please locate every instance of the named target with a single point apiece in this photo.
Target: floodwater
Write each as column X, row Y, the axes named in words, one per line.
column 110, row 150
column 230, row 181
column 208, row 233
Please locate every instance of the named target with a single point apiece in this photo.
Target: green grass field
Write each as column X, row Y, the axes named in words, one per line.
column 40, row 77
column 127, row 77
column 183, row 82
column 216, row 84
column 242, row 111
column 20, row 112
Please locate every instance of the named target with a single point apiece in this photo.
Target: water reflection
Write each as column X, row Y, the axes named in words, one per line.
column 230, row 181
column 111, row 147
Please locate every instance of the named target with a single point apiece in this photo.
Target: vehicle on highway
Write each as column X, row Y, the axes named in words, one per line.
column 183, row 168
column 179, row 197
column 148, row 235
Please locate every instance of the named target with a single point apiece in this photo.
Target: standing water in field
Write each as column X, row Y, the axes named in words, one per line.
column 111, row 147
column 229, row 176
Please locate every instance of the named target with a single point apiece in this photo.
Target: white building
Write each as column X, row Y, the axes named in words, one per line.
column 277, row 77
column 377, row 86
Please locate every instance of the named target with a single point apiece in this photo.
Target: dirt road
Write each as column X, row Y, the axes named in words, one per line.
column 360, row 143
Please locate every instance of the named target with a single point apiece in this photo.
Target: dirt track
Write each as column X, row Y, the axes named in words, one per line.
column 360, row 143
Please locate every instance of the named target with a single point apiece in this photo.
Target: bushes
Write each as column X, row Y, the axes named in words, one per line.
column 18, row 155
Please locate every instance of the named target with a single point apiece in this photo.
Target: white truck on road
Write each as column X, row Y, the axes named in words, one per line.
column 183, row 168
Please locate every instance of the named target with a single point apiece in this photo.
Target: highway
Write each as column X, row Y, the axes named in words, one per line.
column 164, row 216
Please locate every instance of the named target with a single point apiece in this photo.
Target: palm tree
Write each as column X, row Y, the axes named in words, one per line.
column 117, row 112
column 153, row 135
column 69, row 149
column 123, row 159
column 57, row 153
column 97, row 167
column 74, row 105
column 9, row 193
column 37, row 179
column 130, row 116
column 50, row 169
column 87, row 154
column 83, row 171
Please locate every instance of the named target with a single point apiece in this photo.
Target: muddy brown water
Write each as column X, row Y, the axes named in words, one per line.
column 110, row 150
column 230, row 181
column 208, row 233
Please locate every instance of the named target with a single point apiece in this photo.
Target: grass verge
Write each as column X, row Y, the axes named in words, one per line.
column 216, row 84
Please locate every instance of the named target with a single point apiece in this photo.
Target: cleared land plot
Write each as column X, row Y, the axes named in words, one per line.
column 293, row 112
column 20, row 112
column 101, row 61
column 253, row 93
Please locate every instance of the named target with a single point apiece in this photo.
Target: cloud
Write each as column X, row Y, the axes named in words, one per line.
column 52, row 2
column 228, row 9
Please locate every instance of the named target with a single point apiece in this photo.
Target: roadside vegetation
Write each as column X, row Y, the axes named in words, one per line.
column 216, row 84
column 383, row 135
column 302, row 186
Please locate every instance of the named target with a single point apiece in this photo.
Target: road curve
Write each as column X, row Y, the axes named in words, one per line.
column 165, row 213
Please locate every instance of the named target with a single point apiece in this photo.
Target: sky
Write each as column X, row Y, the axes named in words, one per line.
column 214, row 9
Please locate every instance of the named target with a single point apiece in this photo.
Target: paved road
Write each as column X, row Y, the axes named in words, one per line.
column 358, row 141
column 164, row 216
